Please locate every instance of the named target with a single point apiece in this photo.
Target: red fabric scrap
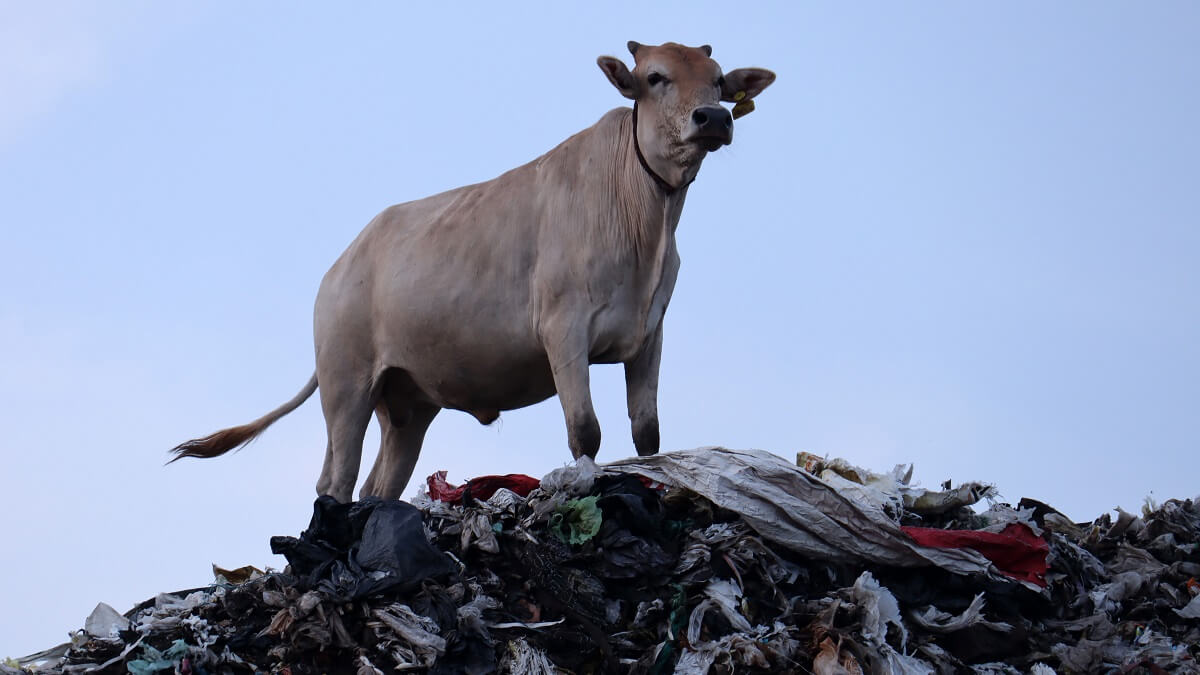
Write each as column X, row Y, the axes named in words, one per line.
column 482, row 487
column 652, row 484
column 1017, row 551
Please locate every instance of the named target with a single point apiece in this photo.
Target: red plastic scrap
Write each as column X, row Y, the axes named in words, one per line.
column 652, row 484
column 1017, row 551
column 482, row 487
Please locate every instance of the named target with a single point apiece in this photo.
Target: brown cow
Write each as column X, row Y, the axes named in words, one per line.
column 497, row 295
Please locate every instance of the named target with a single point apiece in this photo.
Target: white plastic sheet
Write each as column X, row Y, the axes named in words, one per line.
column 796, row 509
column 879, row 609
column 104, row 622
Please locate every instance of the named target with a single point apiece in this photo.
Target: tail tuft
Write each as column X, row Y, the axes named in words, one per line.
column 215, row 445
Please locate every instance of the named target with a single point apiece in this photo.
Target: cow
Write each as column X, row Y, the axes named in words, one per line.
column 498, row 295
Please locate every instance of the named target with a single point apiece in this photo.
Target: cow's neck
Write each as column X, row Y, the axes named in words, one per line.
column 667, row 186
column 650, row 207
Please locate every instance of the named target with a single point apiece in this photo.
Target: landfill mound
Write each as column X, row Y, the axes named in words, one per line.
column 705, row 561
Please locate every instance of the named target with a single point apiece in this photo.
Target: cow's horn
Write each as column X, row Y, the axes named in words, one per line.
column 633, row 47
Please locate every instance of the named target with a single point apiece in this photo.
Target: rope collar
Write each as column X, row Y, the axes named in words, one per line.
column 662, row 183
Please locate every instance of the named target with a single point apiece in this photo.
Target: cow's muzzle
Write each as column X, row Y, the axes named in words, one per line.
column 712, row 127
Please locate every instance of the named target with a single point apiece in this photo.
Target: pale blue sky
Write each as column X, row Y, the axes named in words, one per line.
column 957, row 235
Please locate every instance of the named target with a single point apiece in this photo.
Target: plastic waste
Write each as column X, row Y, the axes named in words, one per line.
column 576, row 521
column 1016, row 551
column 480, row 488
column 793, row 508
column 572, row 480
column 363, row 548
column 523, row 659
column 154, row 661
column 710, row 561
column 104, row 622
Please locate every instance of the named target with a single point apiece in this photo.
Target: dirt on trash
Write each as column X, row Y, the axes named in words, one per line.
column 703, row 561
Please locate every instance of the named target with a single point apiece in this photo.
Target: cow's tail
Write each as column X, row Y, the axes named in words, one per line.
column 225, row 440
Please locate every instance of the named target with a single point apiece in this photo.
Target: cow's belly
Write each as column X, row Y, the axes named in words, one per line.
column 485, row 387
column 469, row 361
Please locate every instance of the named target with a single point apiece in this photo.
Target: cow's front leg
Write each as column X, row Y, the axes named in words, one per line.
column 569, row 364
column 641, row 391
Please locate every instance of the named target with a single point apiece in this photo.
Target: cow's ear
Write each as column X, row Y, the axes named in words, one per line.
column 619, row 75
column 745, row 83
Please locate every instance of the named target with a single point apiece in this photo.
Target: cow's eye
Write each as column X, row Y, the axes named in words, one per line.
column 655, row 79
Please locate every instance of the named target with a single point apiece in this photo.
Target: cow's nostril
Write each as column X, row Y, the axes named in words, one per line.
column 713, row 120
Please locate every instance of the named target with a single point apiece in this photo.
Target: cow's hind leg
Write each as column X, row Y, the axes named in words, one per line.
column 402, row 427
column 347, row 402
column 403, row 418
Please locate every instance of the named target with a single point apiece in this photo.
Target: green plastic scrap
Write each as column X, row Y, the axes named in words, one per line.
column 677, row 621
column 153, row 661
column 576, row 521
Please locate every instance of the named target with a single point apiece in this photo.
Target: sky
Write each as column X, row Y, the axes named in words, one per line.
column 959, row 235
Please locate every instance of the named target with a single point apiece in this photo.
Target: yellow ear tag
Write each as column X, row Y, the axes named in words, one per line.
column 743, row 108
column 739, row 96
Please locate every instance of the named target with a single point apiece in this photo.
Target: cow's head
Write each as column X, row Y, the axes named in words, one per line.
column 677, row 92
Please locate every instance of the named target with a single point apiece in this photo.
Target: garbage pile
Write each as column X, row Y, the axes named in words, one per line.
column 705, row 561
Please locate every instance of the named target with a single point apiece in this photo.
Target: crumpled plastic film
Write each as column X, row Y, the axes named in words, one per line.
column 105, row 622
column 793, row 508
column 577, row 521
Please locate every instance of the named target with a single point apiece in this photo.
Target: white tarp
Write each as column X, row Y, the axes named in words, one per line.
column 794, row 508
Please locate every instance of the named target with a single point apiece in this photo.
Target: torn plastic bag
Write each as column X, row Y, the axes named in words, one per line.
column 522, row 659
column 367, row 547
column 572, row 480
column 1191, row 610
column 1108, row 597
column 902, row 664
column 794, row 508
column 481, row 488
column 936, row 621
column 333, row 529
column 166, row 610
column 477, row 532
column 577, row 521
column 1016, row 552
column 932, row 503
column 104, row 622
column 418, row 634
column 999, row 516
column 722, row 595
column 878, row 492
column 154, row 661
column 738, row 650
column 879, row 609
column 891, row 490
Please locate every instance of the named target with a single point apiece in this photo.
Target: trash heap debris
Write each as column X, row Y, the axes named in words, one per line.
column 705, row 561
